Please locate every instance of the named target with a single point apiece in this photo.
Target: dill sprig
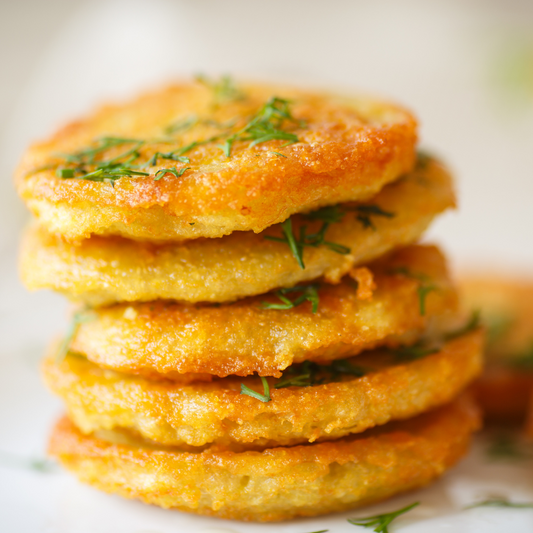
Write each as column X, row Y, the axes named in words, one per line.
column 381, row 522
column 424, row 288
column 422, row 159
column 414, row 352
column 309, row 293
column 310, row 373
column 224, row 89
column 423, row 348
column 38, row 464
column 107, row 170
column 523, row 360
column 506, row 446
column 364, row 212
column 80, row 317
column 328, row 215
column 181, row 125
column 265, row 397
column 501, row 502
column 174, row 171
column 473, row 323
column 266, row 125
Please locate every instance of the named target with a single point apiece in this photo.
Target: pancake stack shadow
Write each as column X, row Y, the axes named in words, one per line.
column 256, row 334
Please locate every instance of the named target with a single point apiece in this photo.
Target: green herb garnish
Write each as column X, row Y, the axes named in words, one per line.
column 422, row 159
column 177, row 173
column 523, row 360
column 265, row 126
column 310, row 373
column 364, row 212
column 414, row 352
column 224, row 90
column 265, row 397
column 182, row 125
column 39, row 464
column 424, row 287
column 328, row 215
column 501, row 502
column 309, row 293
column 505, row 446
column 81, row 317
column 473, row 323
column 381, row 522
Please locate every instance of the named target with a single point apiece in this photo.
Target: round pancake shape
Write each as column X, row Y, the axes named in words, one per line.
column 277, row 483
column 173, row 340
column 392, row 387
column 304, row 150
column 506, row 308
column 101, row 270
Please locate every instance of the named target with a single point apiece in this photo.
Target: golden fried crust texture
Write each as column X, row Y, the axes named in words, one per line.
column 347, row 149
column 506, row 307
column 242, row 338
column 278, row 483
column 103, row 270
column 203, row 413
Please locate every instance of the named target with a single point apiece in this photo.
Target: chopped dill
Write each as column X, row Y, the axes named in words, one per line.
column 164, row 171
column 310, row 373
column 309, row 293
column 364, row 212
column 266, row 125
column 414, row 352
column 380, row 522
column 501, row 502
column 424, row 287
column 265, row 397
column 224, row 89
column 38, row 464
column 80, row 317
column 182, row 125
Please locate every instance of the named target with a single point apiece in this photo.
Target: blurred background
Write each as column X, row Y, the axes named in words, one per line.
column 464, row 67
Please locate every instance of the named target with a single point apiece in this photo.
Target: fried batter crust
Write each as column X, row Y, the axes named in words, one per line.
column 103, row 270
column 203, row 413
column 348, row 149
column 506, row 306
column 242, row 338
column 278, row 483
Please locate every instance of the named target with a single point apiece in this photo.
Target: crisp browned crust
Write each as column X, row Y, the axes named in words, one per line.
column 506, row 306
column 243, row 338
column 202, row 413
column 105, row 270
column 278, row 483
column 347, row 150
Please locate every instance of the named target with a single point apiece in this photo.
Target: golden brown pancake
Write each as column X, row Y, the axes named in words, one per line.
column 104, row 270
column 164, row 338
column 294, row 154
column 506, row 308
column 278, row 483
column 335, row 402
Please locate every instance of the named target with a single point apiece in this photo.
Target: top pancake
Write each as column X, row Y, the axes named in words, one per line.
column 343, row 149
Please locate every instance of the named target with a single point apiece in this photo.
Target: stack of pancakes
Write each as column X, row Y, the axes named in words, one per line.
column 256, row 336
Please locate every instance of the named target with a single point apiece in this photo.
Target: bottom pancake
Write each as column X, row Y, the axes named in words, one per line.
column 277, row 483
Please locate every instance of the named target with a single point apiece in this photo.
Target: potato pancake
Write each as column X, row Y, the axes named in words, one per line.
column 252, row 335
column 104, row 270
column 309, row 402
column 176, row 164
column 277, row 483
column 506, row 307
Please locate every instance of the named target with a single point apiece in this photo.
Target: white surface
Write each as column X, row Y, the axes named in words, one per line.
column 443, row 59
